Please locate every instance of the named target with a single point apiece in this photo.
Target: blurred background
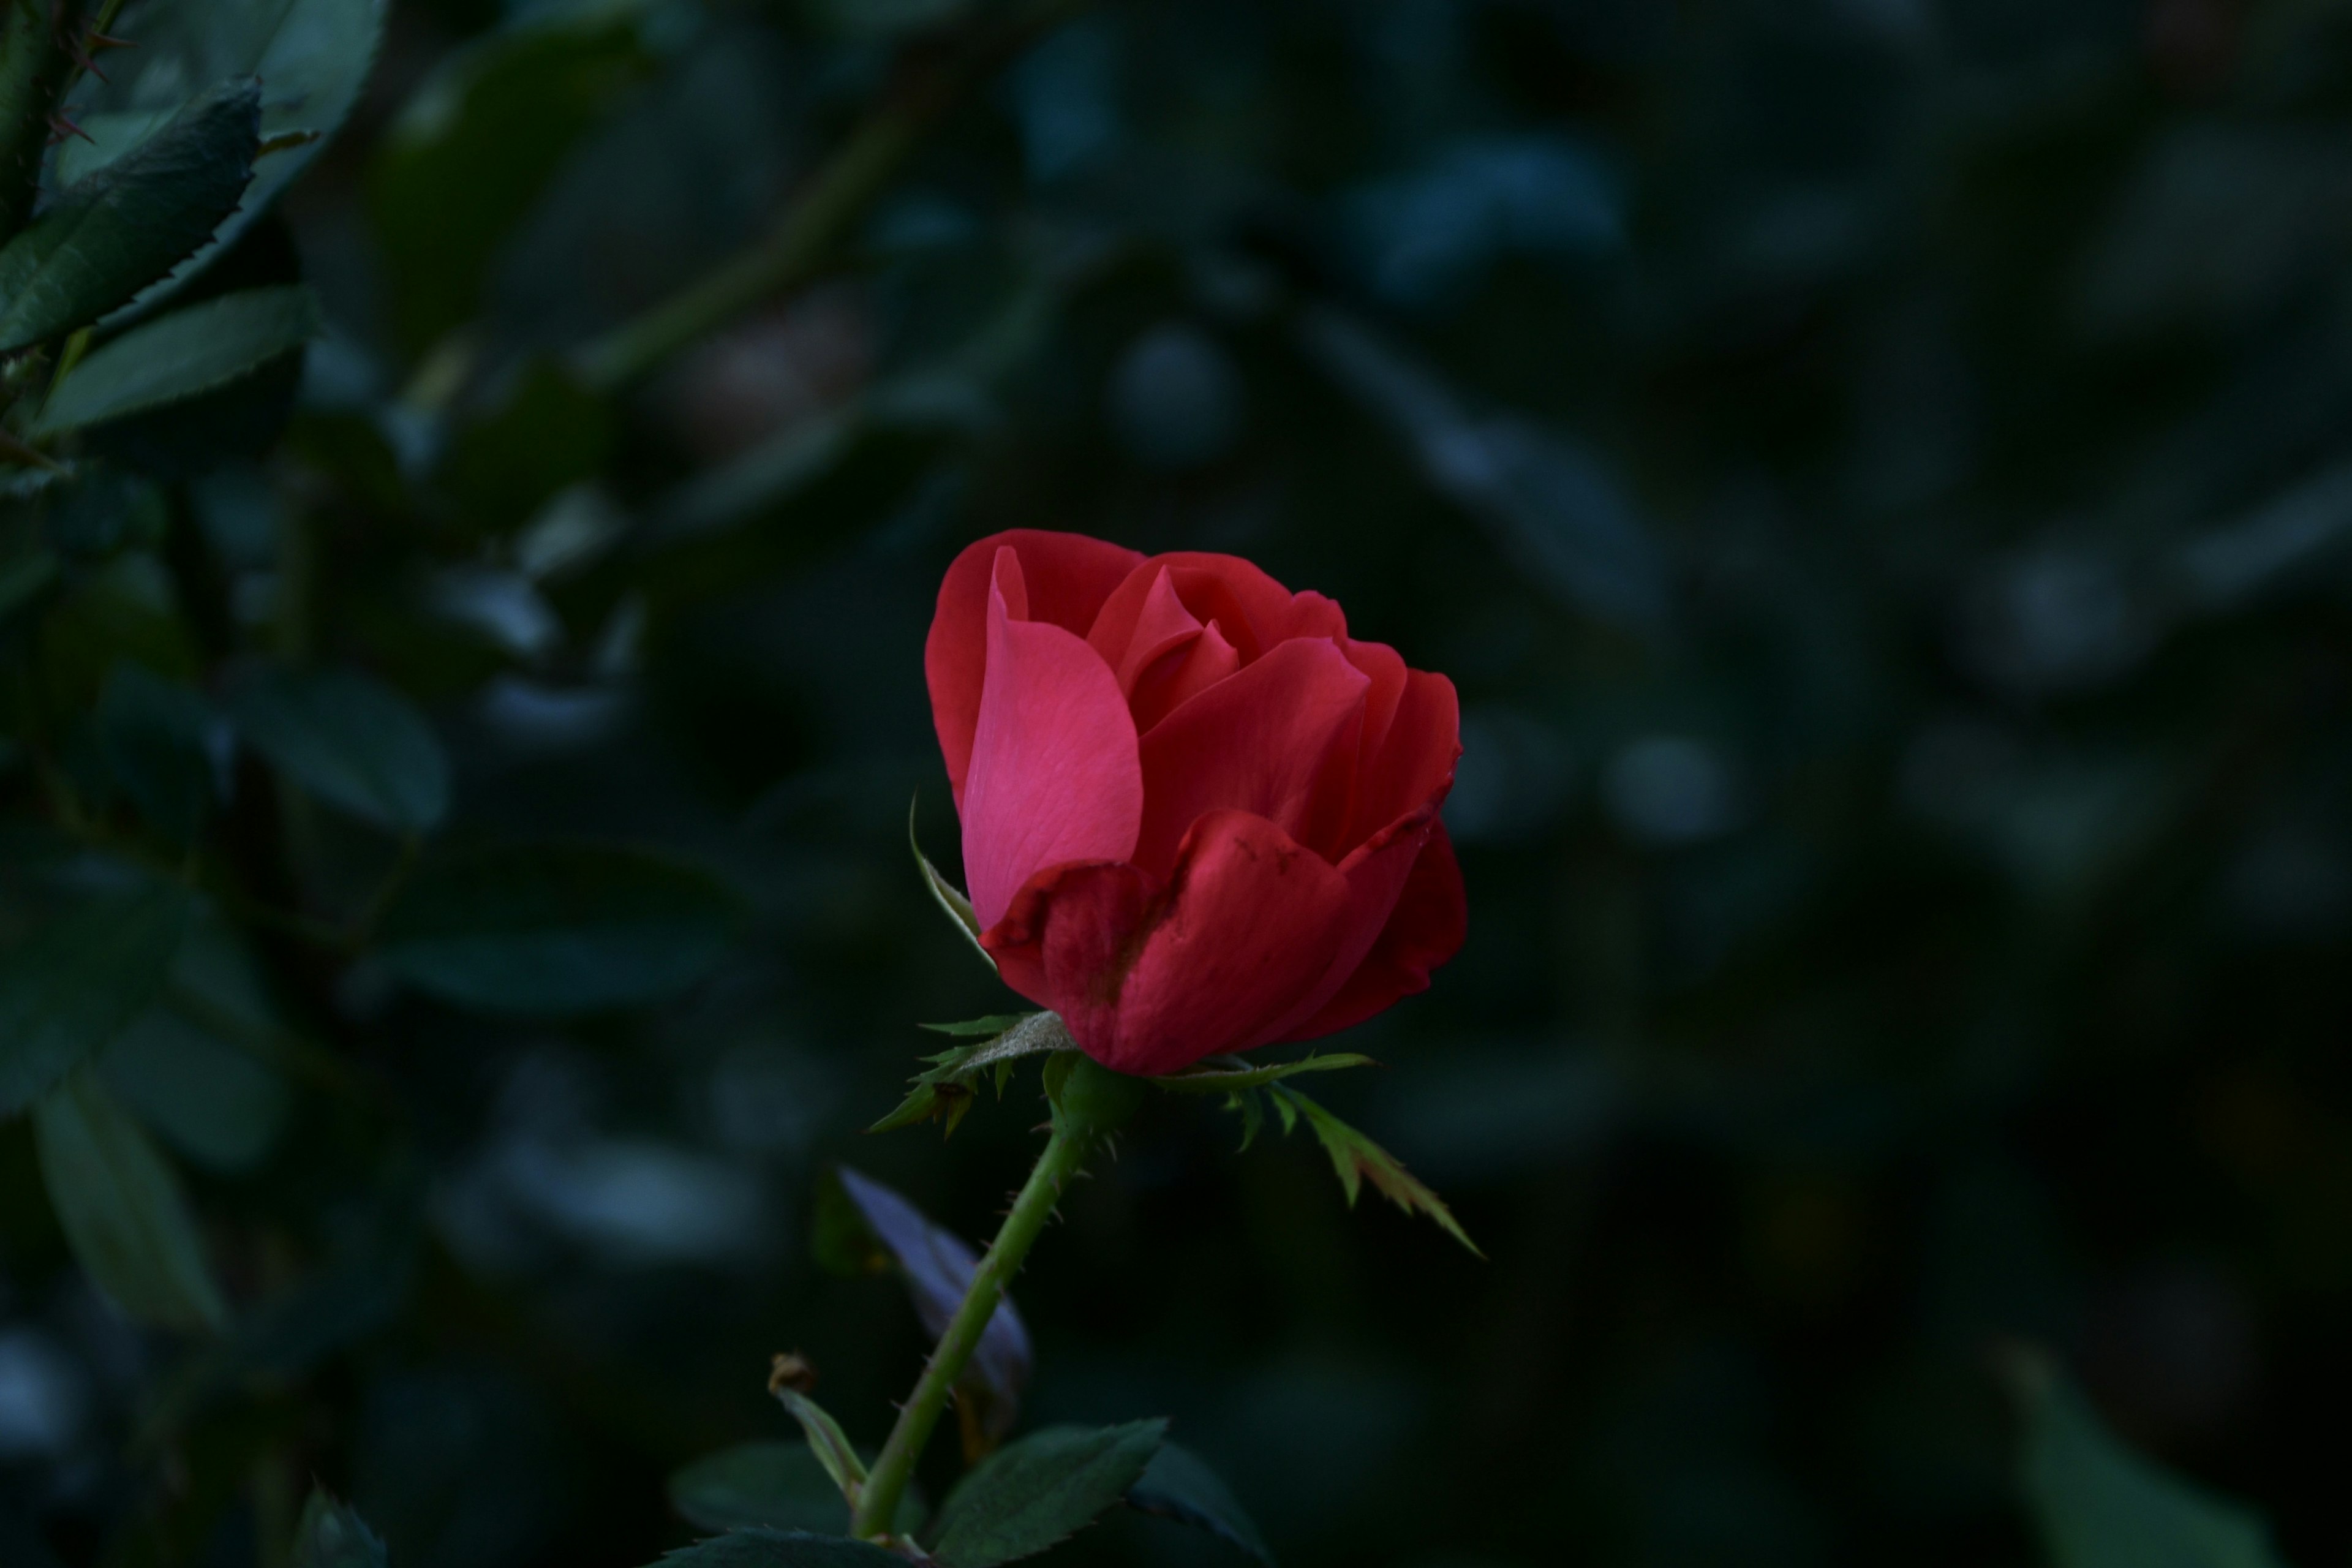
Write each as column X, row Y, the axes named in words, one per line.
column 1877, row 472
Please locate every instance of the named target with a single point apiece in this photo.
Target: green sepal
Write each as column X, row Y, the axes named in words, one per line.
column 946, row 1088
column 1227, row 1079
column 943, row 893
column 994, row 1024
column 825, row 1440
column 1353, row 1156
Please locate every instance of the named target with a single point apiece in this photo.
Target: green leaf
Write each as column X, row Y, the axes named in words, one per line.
column 1230, row 1079
column 121, row 1208
column 78, row 980
column 782, row 1485
column 186, row 1065
column 182, row 355
column 111, row 235
column 311, row 57
column 945, row 894
column 1178, row 1485
column 758, row 1548
column 1029, row 1495
column 827, row 1443
column 463, row 163
column 2100, row 1505
column 546, row 433
column 334, row 1536
column 151, row 732
column 350, row 740
column 945, row 1088
column 558, row 930
column 1355, row 1157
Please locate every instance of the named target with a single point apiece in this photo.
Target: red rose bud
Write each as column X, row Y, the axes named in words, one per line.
column 1198, row 817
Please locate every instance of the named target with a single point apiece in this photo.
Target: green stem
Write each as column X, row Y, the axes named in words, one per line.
column 800, row 246
column 1057, row 1166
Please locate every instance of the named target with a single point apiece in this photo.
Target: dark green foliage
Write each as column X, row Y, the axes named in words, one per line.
column 122, row 1209
column 78, row 979
column 557, row 931
column 1035, row 1492
column 113, row 232
column 182, row 355
column 1178, row 1485
column 351, row 740
column 779, row 1485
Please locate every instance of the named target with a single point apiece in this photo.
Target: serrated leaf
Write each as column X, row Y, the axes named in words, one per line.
column 124, row 227
column 350, row 740
column 78, row 980
column 462, row 164
column 779, row 1486
column 945, row 1088
column 182, row 355
column 151, row 732
column 332, row 1535
column 938, row 1267
column 2099, row 1505
column 1178, row 1485
column 1028, row 1495
column 781, row 1549
column 1228, row 1079
column 557, row 931
column 945, row 894
column 311, row 58
column 1356, row 1157
column 121, row 1208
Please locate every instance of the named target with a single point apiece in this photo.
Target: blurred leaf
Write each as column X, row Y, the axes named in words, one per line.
column 1355, row 1157
column 121, row 1208
column 350, row 740
column 311, row 57
column 330, row 1535
column 1226, row 1079
column 945, row 1088
column 548, row 432
column 554, row 931
column 182, row 355
column 461, row 167
column 126, row 226
column 2100, row 1505
column 758, row 1548
column 78, row 979
column 1031, row 1494
column 944, row 893
column 151, row 732
column 782, row 1485
column 1178, row 1485
column 884, row 18
column 22, row 580
column 938, row 1267
column 1553, row 508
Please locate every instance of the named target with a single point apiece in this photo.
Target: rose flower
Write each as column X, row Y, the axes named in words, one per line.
column 1198, row 817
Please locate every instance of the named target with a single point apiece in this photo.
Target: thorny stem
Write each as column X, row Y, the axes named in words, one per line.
column 1057, row 1166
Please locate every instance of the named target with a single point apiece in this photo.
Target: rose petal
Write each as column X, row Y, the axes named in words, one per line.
column 1055, row 773
column 1150, row 981
column 1180, row 674
column 1413, row 764
column 1278, row 738
column 1377, row 876
column 1069, row 577
column 1256, row 611
column 1431, row 921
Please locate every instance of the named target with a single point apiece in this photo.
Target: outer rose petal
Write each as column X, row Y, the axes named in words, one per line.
column 1414, row 764
column 1377, row 875
column 1278, row 739
column 1432, row 918
column 1068, row 576
column 1151, row 979
column 1055, row 773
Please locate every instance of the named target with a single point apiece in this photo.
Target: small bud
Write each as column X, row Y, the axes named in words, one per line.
column 789, row 1369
